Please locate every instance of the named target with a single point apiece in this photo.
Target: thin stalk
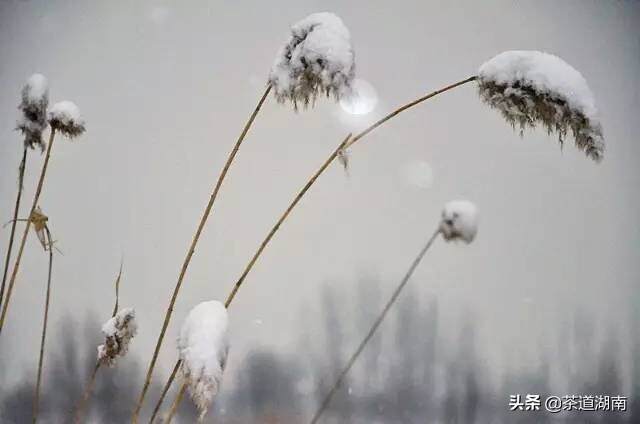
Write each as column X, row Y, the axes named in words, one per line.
column 196, row 237
column 176, row 403
column 375, row 326
column 86, row 394
column 343, row 146
column 16, row 209
column 115, row 306
column 407, row 106
column 165, row 390
column 284, row 216
column 23, row 241
column 36, row 401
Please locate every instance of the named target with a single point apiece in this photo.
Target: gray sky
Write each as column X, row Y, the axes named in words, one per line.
column 165, row 91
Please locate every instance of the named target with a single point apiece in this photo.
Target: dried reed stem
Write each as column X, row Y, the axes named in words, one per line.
column 23, row 241
column 176, row 403
column 16, row 210
column 284, row 216
column 203, row 220
column 407, row 106
column 375, row 326
column 115, row 306
column 86, row 394
column 165, row 390
column 36, row 400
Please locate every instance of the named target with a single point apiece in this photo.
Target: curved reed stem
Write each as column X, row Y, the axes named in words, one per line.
column 196, row 237
column 407, row 106
column 36, row 400
column 176, row 367
column 86, row 394
column 16, row 210
column 176, row 403
column 284, row 216
column 375, row 326
column 23, row 241
column 115, row 305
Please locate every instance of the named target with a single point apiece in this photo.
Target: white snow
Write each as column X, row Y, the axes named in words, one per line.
column 531, row 88
column 203, row 347
column 317, row 58
column 545, row 73
column 459, row 221
column 36, row 89
column 118, row 332
column 66, row 112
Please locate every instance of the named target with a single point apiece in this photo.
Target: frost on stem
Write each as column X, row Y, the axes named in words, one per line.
column 118, row 332
column 203, row 347
column 35, row 99
column 317, row 59
column 65, row 117
column 531, row 87
column 459, row 221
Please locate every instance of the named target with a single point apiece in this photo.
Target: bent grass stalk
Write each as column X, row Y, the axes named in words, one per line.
column 92, row 378
column 192, row 248
column 16, row 210
column 36, row 400
column 23, row 241
column 348, row 141
column 375, row 326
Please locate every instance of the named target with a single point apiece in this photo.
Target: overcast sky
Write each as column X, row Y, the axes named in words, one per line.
column 165, row 90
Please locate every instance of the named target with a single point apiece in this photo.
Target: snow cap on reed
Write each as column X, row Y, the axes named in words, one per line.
column 118, row 332
column 459, row 221
column 317, row 59
column 203, row 347
column 34, row 103
column 65, row 117
column 532, row 87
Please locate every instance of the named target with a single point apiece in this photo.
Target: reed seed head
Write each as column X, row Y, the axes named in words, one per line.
column 203, row 347
column 118, row 332
column 459, row 221
column 532, row 88
column 33, row 105
column 65, row 117
column 317, row 59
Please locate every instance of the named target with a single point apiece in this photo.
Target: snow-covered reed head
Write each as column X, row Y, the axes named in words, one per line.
column 459, row 221
column 35, row 99
column 118, row 332
column 317, row 58
column 531, row 87
column 65, row 117
column 203, row 347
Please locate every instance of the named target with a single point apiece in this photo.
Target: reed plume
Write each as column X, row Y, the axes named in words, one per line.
column 532, row 88
column 459, row 222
